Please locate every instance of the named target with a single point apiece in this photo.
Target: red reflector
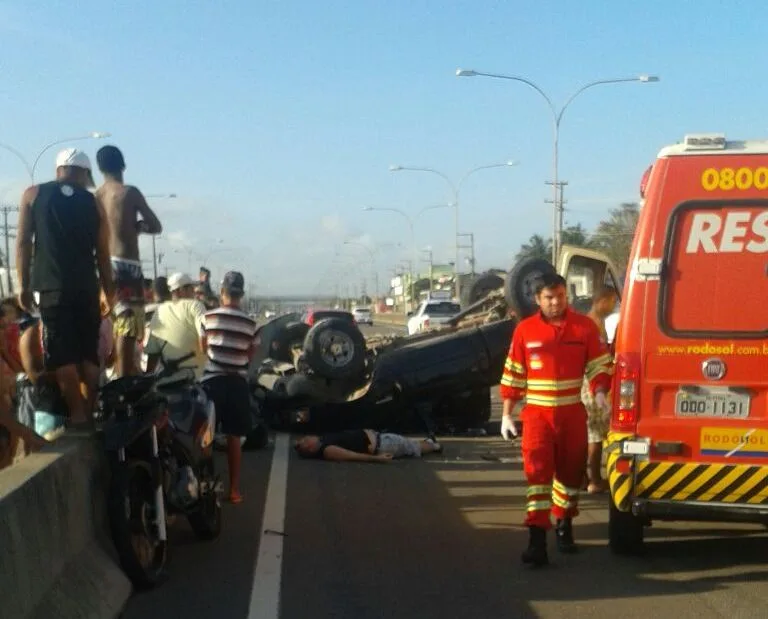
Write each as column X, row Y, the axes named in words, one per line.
column 623, row 466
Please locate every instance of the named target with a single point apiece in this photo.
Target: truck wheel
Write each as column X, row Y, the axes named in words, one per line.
column 335, row 348
column 479, row 286
column 519, row 287
column 625, row 531
column 291, row 335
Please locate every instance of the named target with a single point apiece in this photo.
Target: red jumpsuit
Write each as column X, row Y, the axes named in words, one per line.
column 546, row 366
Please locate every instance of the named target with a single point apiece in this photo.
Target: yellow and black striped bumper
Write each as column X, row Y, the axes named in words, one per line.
column 735, row 484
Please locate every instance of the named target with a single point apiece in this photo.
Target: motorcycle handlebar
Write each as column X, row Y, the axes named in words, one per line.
column 171, row 366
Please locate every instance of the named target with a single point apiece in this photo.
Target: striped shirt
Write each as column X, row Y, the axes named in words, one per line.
column 230, row 334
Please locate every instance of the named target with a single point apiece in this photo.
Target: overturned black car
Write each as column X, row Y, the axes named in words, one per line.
column 329, row 377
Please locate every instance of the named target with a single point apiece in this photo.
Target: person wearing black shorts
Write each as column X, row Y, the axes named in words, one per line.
column 229, row 342
column 66, row 227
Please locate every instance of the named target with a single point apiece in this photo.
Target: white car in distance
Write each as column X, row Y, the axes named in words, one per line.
column 362, row 316
column 431, row 313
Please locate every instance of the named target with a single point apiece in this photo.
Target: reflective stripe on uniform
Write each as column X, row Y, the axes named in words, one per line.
column 598, row 365
column 535, row 506
column 538, row 399
column 538, row 384
column 563, row 496
column 545, row 490
column 514, row 366
column 508, row 381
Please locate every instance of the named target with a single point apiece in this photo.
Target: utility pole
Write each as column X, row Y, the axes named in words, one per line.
column 8, row 235
column 428, row 260
column 471, row 248
column 557, row 241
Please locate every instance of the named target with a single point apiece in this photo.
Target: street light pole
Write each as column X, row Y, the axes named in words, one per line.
column 455, row 190
column 557, row 117
column 31, row 168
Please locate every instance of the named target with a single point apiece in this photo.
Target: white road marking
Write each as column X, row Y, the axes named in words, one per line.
column 265, row 595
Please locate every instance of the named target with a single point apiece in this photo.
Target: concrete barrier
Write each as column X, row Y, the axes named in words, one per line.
column 390, row 319
column 56, row 553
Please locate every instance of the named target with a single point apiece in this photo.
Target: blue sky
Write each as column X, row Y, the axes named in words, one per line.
column 275, row 121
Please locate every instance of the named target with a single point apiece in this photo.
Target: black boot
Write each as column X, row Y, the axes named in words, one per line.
column 536, row 553
column 564, row 532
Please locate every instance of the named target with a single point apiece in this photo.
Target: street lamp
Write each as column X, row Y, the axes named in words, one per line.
column 557, row 116
column 455, row 188
column 93, row 135
column 154, row 236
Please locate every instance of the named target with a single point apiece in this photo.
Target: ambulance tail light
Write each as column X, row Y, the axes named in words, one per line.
column 425, row 324
column 626, row 393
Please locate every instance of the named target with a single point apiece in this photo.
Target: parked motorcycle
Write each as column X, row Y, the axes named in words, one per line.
column 160, row 442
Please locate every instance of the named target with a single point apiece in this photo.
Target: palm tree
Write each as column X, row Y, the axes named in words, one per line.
column 575, row 235
column 536, row 247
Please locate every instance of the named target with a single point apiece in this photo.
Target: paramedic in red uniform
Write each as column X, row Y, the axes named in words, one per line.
column 551, row 352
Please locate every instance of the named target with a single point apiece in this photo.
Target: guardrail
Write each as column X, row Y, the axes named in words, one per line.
column 57, row 556
column 388, row 318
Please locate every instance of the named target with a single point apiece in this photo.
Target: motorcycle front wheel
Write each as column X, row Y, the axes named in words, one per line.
column 132, row 519
column 205, row 519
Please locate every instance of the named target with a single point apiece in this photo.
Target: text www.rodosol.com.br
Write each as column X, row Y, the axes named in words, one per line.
column 721, row 348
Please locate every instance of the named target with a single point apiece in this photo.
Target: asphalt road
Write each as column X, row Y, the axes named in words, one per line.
column 440, row 537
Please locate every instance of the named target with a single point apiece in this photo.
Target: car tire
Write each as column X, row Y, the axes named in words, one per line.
column 518, row 289
column 625, row 532
column 291, row 335
column 335, row 348
column 479, row 286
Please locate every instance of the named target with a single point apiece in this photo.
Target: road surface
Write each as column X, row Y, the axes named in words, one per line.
column 441, row 538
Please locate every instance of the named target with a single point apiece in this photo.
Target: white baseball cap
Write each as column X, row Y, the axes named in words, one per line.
column 179, row 280
column 73, row 158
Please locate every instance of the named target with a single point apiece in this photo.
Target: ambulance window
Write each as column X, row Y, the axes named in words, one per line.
column 714, row 278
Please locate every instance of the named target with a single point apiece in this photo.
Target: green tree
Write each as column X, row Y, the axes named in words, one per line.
column 614, row 235
column 536, row 247
column 575, row 235
column 539, row 247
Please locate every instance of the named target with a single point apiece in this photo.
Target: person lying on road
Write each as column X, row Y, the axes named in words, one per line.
column 364, row 446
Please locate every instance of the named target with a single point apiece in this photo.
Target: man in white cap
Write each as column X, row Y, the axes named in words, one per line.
column 176, row 327
column 68, row 231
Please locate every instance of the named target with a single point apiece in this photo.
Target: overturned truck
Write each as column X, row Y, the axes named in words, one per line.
column 329, row 377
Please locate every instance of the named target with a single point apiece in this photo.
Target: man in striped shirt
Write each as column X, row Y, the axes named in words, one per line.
column 228, row 340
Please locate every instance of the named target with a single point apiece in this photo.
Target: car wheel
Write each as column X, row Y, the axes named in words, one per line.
column 291, row 335
column 335, row 348
column 519, row 290
column 478, row 287
column 625, row 531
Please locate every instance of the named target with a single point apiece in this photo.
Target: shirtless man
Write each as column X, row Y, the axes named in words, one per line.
column 129, row 215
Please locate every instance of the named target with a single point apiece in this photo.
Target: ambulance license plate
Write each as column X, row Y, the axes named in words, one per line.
column 708, row 402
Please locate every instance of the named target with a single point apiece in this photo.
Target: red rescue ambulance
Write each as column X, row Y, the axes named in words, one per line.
column 689, row 428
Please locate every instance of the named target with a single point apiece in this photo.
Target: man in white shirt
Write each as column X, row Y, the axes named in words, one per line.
column 176, row 328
